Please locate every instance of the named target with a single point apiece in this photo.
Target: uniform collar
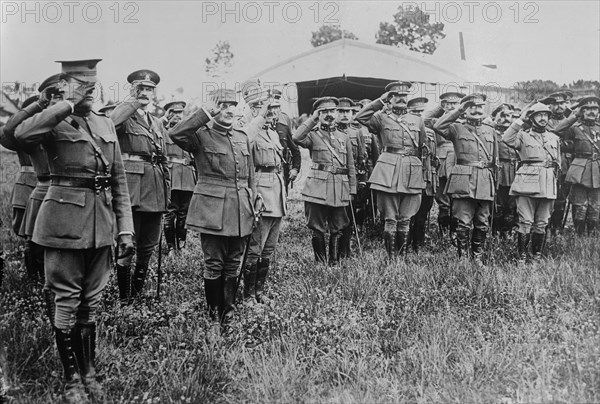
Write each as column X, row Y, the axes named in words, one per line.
column 220, row 129
column 473, row 122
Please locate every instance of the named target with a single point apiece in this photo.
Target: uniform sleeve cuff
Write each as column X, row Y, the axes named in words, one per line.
column 123, row 233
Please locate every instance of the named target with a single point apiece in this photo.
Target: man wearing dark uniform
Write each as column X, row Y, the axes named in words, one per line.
column 221, row 209
column 87, row 200
column 418, row 224
column 581, row 129
column 291, row 152
column 183, row 181
column 471, row 181
column 143, row 145
column 331, row 180
column 534, row 185
column 398, row 175
column 505, row 215
column 445, row 153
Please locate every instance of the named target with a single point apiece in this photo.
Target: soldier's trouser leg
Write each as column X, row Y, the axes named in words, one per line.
column 397, row 210
column 77, row 278
column 147, row 236
column 184, row 198
column 593, row 211
column 419, row 222
column 17, row 218
column 222, row 258
column 262, row 245
column 319, row 218
column 169, row 224
column 273, row 227
column 502, row 212
column 559, row 205
column 444, row 206
column 534, row 215
column 470, row 213
column 346, row 235
column 30, row 261
column 579, row 201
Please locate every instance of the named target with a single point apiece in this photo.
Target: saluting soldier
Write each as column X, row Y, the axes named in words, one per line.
column 291, row 153
column 505, row 215
column 398, row 175
column 535, row 182
column 583, row 131
column 416, row 106
column 267, row 154
column 471, row 180
column 183, row 181
column 143, row 145
column 331, row 181
column 345, row 110
column 221, row 209
column 86, row 201
column 445, row 153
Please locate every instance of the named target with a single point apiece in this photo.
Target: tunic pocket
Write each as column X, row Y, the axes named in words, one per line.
column 66, row 207
column 576, row 171
column 527, row 181
column 316, row 185
column 459, row 182
column 206, row 206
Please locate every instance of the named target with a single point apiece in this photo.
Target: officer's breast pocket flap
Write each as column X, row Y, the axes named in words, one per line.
column 527, row 181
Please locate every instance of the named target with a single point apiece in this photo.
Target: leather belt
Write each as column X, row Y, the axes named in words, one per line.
column 268, row 169
column 589, row 156
column 546, row 164
column 330, row 169
column 509, row 160
column 178, row 160
column 153, row 159
column 400, row 150
column 94, row 183
column 27, row 169
column 43, row 178
column 479, row 164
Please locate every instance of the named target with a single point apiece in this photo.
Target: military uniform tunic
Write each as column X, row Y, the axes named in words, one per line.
column 535, row 183
column 505, row 217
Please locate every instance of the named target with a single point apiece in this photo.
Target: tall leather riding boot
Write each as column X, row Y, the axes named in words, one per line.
column 523, row 245
column 262, row 270
column 418, row 236
column 400, row 245
column 66, row 340
column 462, row 244
column 32, row 272
column 389, row 241
column 477, row 244
column 139, row 278
column 85, row 351
column 124, row 282
column 181, row 232
column 537, row 245
column 444, row 224
column 334, row 248
column 592, row 226
column 250, row 283
column 169, row 231
column 229, row 284
column 345, row 239
column 318, row 244
column 580, row 227
column 213, row 289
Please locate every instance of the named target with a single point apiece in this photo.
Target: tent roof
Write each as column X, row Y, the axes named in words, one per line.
column 346, row 57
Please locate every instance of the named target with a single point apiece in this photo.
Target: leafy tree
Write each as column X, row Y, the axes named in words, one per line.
column 220, row 62
column 536, row 89
column 330, row 33
column 411, row 29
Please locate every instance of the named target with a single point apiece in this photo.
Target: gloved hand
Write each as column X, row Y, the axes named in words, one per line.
column 293, row 174
column 125, row 246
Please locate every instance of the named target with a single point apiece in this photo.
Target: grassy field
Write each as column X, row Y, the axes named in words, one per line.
column 427, row 329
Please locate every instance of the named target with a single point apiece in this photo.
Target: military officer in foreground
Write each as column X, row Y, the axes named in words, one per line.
column 445, row 152
column 331, row 181
column 183, row 181
column 471, row 181
column 222, row 207
column 416, row 106
column 583, row 131
column 535, row 182
column 398, row 175
column 267, row 154
column 505, row 215
column 86, row 200
column 143, row 145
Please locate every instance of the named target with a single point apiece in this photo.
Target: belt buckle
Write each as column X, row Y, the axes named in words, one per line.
column 594, row 156
column 101, row 182
column 480, row 164
column 154, row 159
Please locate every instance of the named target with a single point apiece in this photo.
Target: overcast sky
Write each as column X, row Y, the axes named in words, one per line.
column 555, row 40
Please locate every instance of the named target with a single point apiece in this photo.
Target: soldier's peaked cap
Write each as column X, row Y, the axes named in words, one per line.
column 452, row 96
column 145, row 77
column 175, row 106
column 417, row 104
column 548, row 100
column 476, row 98
column 559, row 96
column 502, row 107
column 591, row 101
column 222, row 95
column 50, row 81
column 83, row 70
column 399, row 87
column 345, row 103
column 325, row 103
column 276, row 94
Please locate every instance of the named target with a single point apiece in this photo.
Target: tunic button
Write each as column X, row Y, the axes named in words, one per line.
column 237, row 162
column 237, row 171
column 62, row 200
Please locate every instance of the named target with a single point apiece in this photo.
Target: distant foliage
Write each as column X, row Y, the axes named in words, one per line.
column 329, row 33
column 411, row 29
column 219, row 64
